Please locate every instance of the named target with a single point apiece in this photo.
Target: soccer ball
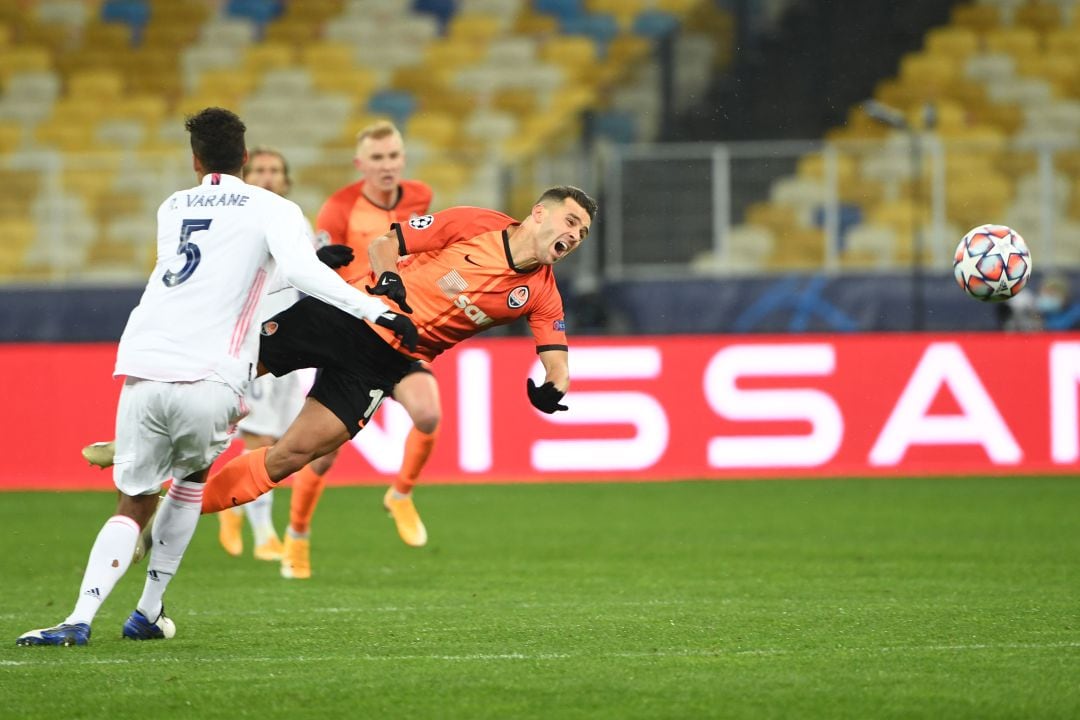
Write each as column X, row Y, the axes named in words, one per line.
column 992, row 263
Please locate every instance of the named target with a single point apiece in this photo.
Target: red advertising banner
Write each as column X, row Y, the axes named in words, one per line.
column 649, row 409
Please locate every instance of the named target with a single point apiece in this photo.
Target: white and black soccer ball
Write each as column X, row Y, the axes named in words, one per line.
column 992, row 263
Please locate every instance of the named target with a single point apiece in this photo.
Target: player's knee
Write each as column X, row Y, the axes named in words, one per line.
column 426, row 419
column 322, row 465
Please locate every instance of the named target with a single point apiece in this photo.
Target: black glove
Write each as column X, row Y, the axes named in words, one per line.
column 335, row 256
column 545, row 398
column 390, row 286
column 402, row 326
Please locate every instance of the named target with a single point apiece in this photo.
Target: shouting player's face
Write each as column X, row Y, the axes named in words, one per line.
column 267, row 170
column 563, row 227
column 381, row 162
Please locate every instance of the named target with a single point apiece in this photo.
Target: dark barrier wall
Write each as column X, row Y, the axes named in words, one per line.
column 774, row 304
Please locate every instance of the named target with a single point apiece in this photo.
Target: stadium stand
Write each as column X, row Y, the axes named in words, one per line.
column 93, row 95
column 1001, row 82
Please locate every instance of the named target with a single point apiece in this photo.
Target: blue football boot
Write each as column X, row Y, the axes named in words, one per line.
column 137, row 627
column 66, row 635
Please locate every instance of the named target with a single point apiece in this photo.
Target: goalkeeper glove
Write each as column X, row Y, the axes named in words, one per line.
column 335, row 256
column 390, row 286
column 546, row 397
column 401, row 326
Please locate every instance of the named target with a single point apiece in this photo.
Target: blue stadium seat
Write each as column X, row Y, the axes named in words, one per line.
column 561, row 9
column 259, row 12
column 135, row 13
column 398, row 104
column 655, row 24
column 443, row 10
column 601, row 27
column 850, row 215
column 617, row 126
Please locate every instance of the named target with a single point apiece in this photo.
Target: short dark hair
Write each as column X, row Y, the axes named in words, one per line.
column 560, row 193
column 217, row 139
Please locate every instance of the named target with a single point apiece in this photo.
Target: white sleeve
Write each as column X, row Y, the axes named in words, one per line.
column 300, row 267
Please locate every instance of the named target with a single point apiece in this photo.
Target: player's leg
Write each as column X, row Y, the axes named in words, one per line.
column 418, row 393
column 142, row 465
column 202, row 416
column 307, row 488
column 315, row 432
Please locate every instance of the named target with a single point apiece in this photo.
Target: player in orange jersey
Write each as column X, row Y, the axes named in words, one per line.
column 354, row 216
column 477, row 269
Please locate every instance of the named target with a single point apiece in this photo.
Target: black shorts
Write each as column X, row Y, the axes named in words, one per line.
column 357, row 368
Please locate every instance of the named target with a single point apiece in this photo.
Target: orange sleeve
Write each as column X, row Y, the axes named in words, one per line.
column 547, row 322
column 432, row 232
column 333, row 217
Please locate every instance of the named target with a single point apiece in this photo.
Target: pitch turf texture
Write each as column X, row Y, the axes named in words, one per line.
column 807, row 599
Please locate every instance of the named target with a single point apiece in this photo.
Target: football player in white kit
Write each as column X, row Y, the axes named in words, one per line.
column 188, row 353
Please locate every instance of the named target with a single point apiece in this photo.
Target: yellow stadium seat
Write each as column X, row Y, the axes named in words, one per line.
column 977, row 200
column 813, row 166
column 935, row 72
column 798, row 249
column 473, row 28
column 23, row 58
column 958, row 43
column 106, row 36
column 1040, row 17
column 229, row 83
column 354, row 82
column 159, row 35
column 536, row 24
column 11, row 136
column 179, row 13
column 18, row 234
column 979, row 18
column 148, row 109
column 575, row 54
column 1060, row 70
column 1015, row 41
column 328, row 55
column 102, row 85
column 452, row 54
column 779, row 219
column 269, row 56
column 435, row 129
column 624, row 11
column 1063, row 41
column 422, row 80
column 293, row 30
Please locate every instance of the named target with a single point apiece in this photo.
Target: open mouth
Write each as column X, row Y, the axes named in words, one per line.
column 561, row 247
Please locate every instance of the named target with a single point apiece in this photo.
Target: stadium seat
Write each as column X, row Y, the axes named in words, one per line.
column 478, row 29
column 600, row 28
column 957, row 43
column 259, row 12
column 264, row 56
column 655, row 24
column 395, row 103
column 616, row 126
column 560, row 9
column 103, row 85
column 134, row 13
column 236, row 31
column 441, row 10
column 436, row 130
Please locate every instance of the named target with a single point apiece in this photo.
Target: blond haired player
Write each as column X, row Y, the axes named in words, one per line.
column 354, row 216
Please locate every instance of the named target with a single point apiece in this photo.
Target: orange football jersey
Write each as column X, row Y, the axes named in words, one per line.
column 462, row 280
column 349, row 218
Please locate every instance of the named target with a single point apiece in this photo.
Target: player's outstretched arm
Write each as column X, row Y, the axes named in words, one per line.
column 547, row 397
column 301, row 268
column 383, row 252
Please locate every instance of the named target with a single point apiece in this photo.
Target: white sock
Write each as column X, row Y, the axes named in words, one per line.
column 298, row 535
column 177, row 517
column 261, row 516
column 109, row 560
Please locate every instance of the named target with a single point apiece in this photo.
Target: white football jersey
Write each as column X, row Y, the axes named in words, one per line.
column 217, row 245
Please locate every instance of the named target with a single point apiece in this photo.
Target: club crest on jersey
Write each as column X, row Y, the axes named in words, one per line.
column 269, row 328
column 518, row 296
column 422, row 222
column 559, row 325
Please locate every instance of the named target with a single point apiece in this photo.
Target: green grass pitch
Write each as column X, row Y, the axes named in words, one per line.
column 793, row 599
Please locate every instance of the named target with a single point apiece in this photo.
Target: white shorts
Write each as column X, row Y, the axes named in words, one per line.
column 170, row 430
column 274, row 403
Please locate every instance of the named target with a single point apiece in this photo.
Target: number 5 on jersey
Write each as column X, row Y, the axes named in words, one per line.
column 190, row 251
